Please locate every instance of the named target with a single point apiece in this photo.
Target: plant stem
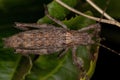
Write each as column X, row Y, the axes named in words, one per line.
column 114, row 22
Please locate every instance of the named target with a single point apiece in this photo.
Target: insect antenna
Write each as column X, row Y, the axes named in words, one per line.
column 54, row 19
column 108, row 48
column 107, row 3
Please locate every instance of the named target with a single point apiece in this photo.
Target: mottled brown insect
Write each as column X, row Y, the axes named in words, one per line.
column 49, row 39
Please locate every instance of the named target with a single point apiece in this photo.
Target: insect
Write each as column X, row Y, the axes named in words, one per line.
column 48, row 39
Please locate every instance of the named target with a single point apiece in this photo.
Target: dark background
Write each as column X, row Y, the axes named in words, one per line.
column 108, row 64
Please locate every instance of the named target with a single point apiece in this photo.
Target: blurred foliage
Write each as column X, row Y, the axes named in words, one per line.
column 46, row 67
column 112, row 8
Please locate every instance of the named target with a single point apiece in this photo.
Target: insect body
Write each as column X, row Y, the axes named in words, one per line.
column 48, row 40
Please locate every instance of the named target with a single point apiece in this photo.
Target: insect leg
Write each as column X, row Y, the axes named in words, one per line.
column 54, row 19
column 26, row 26
column 79, row 63
column 27, row 52
column 97, row 27
column 63, row 53
column 76, row 61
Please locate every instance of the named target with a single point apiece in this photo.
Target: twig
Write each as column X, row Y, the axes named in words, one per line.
column 90, row 17
column 99, row 10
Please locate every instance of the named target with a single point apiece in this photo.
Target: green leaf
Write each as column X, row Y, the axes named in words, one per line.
column 78, row 22
column 50, row 67
column 12, row 66
column 8, row 64
column 23, row 69
column 57, row 11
